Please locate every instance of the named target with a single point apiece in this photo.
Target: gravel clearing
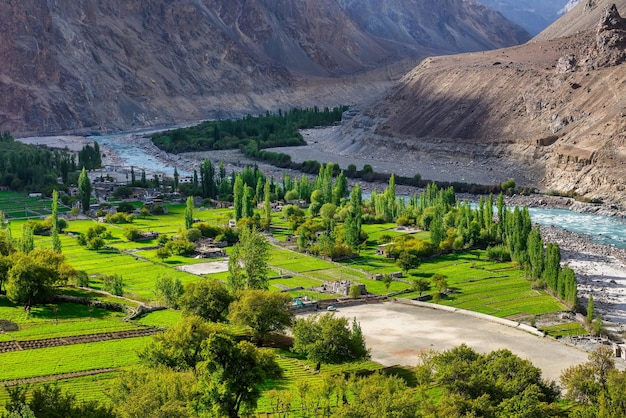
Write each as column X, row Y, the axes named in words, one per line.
column 398, row 334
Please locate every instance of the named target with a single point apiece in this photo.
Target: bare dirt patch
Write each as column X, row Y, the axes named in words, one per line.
column 397, row 334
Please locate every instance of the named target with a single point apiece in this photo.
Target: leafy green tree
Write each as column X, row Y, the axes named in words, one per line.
column 440, row 282
column 157, row 393
column 49, row 401
column 354, row 218
column 354, row 291
column 32, row 277
column 329, row 339
column 387, row 280
column 189, row 213
column 238, row 189
column 163, row 252
column 421, row 285
column 84, row 190
column 96, row 243
column 208, row 299
column 590, row 310
column 247, row 264
column 264, row 312
column 535, row 253
column 267, row 205
column 113, row 284
column 180, row 347
column 490, row 385
column 168, row 290
column 27, row 242
column 56, row 241
column 379, row 396
column 232, row 374
column 407, row 260
column 597, row 386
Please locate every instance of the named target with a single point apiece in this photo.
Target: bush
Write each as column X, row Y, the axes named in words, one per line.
column 499, row 253
column 113, row 284
column 132, row 234
column 193, row 235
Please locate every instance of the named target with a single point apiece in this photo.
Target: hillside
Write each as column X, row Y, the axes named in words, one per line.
column 550, row 113
column 532, row 15
column 115, row 64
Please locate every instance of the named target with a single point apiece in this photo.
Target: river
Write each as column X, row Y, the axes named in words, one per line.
column 602, row 229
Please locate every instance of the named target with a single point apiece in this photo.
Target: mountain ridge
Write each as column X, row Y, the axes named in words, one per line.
column 116, row 64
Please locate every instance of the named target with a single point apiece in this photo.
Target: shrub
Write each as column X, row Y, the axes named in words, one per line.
column 499, row 253
column 113, row 284
column 132, row 234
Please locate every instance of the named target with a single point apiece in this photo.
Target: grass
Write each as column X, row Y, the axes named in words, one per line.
column 73, row 319
column 72, row 358
column 498, row 289
column 570, row 329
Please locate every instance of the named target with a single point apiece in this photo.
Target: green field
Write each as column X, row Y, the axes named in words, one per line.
column 480, row 285
column 19, row 205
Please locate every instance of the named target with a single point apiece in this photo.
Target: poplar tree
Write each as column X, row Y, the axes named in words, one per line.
column 56, row 242
column 238, row 197
column 590, row 309
column 84, row 190
column 267, row 204
column 189, row 213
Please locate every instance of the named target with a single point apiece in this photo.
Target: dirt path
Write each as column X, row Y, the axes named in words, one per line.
column 8, row 346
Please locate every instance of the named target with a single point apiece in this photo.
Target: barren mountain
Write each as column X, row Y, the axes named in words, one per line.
column 118, row 64
column 551, row 112
column 532, row 15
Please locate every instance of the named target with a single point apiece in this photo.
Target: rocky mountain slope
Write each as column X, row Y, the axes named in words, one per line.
column 118, row 64
column 552, row 112
column 532, row 15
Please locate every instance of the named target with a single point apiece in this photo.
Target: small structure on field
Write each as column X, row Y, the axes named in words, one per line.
column 341, row 287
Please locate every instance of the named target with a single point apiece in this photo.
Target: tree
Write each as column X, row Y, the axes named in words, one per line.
column 379, row 395
column 352, row 223
column 189, row 213
column 494, row 384
column 32, row 277
column 354, row 291
column 208, row 299
column 232, row 374
column 421, row 285
column 84, row 190
column 113, row 284
column 56, row 242
column 590, row 310
column 267, row 205
column 180, row 347
column 387, row 280
column 238, row 197
column 329, row 339
column 157, row 393
column 163, row 252
column 168, row 290
column 247, row 264
column 27, row 242
column 264, row 312
column 407, row 260
column 440, row 282
column 49, row 401
column 591, row 385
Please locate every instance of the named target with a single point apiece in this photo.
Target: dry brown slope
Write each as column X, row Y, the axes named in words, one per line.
column 582, row 17
column 120, row 64
column 564, row 129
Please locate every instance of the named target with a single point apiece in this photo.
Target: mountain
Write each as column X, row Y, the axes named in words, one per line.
column 550, row 113
column 98, row 65
column 532, row 15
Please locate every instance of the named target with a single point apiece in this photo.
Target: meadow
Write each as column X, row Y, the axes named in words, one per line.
column 478, row 284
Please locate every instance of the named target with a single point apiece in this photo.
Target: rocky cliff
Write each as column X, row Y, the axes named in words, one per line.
column 550, row 113
column 118, row 64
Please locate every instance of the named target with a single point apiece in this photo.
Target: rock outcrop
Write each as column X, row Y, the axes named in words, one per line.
column 550, row 113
